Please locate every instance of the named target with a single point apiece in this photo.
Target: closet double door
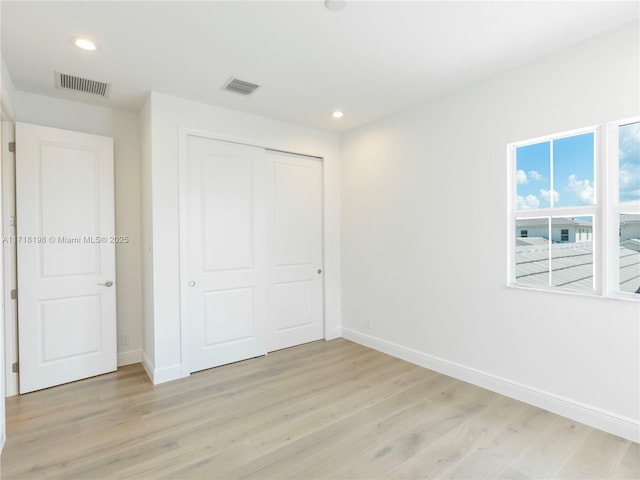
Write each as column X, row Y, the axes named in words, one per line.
column 253, row 280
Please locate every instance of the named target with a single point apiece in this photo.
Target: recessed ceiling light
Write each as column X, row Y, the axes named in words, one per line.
column 337, row 114
column 84, row 43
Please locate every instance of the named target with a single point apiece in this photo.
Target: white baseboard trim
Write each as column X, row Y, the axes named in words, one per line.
column 161, row 375
column 595, row 417
column 127, row 358
column 333, row 333
column 148, row 366
column 167, row 374
column 11, row 385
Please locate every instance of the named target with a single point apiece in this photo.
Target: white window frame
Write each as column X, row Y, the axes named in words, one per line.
column 605, row 211
column 613, row 209
column 594, row 211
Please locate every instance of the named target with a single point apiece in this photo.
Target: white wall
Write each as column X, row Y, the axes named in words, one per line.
column 439, row 298
column 124, row 128
column 168, row 114
column 7, row 90
column 148, row 336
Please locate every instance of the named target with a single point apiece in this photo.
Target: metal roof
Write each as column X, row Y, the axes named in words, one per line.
column 630, row 217
column 557, row 222
column 522, row 241
column 572, row 265
column 564, row 221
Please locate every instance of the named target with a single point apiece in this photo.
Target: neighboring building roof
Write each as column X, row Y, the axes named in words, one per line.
column 521, row 241
column 581, row 222
column 630, row 217
column 557, row 222
column 632, row 244
column 572, row 265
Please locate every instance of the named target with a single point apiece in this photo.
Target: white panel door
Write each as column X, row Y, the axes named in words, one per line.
column 296, row 296
column 226, row 257
column 66, row 256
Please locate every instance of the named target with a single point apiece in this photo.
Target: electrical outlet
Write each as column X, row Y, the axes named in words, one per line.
column 124, row 339
column 367, row 324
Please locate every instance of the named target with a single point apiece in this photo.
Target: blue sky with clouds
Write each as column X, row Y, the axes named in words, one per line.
column 629, row 145
column 573, row 177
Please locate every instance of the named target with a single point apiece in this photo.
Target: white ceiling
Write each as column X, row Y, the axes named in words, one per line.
column 370, row 59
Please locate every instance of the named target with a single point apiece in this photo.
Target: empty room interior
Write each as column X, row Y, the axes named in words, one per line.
column 320, row 239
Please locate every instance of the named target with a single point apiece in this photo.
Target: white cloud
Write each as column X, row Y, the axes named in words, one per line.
column 521, row 177
column 583, row 189
column 629, row 140
column 546, row 195
column 629, row 177
column 535, row 176
column 530, row 202
column 630, row 164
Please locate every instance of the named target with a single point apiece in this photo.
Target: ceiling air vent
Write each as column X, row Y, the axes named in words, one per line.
column 82, row 85
column 240, row 86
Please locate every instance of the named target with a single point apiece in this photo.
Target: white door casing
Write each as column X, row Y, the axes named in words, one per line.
column 66, row 256
column 226, row 252
column 295, row 224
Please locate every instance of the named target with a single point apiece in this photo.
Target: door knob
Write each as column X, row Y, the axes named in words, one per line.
column 319, row 271
column 108, row 283
column 192, row 283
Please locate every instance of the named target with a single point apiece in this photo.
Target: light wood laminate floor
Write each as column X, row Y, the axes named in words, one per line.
column 322, row 410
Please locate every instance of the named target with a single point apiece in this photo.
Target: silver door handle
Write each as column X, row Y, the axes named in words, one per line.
column 108, row 283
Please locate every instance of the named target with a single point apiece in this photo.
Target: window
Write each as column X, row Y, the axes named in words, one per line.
column 624, row 208
column 575, row 209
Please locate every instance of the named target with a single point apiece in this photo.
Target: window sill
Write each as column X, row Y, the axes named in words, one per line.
column 624, row 297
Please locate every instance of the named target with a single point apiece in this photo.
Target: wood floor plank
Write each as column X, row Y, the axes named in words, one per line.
column 492, row 456
column 342, row 432
column 588, row 462
column 629, row 465
column 442, row 455
column 391, row 419
column 440, row 418
column 323, row 410
column 548, row 453
column 288, row 428
column 250, row 403
column 258, row 424
column 72, row 398
column 178, row 418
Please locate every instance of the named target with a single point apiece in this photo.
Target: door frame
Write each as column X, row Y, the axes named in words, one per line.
column 10, row 255
column 183, row 134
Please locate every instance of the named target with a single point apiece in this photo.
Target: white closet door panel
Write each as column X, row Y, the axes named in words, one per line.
column 226, row 278
column 227, row 202
column 296, row 306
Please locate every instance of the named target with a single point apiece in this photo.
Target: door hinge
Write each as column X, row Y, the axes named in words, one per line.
column 12, row 147
column 15, row 367
column 14, row 294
